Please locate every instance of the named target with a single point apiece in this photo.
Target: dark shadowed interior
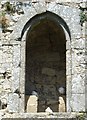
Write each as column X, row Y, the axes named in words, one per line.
column 45, row 67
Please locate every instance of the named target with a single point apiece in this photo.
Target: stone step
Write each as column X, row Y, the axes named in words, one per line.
column 43, row 116
column 41, row 119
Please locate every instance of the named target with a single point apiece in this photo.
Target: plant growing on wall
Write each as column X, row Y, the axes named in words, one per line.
column 9, row 7
column 83, row 17
column 4, row 21
column 13, row 8
column 81, row 116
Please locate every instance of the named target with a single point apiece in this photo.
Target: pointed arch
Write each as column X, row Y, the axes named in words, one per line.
column 46, row 15
column 28, row 27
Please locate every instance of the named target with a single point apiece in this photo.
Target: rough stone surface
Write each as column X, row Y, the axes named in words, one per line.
column 77, row 101
column 13, row 101
column 78, row 83
column 49, row 68
column 30, row 116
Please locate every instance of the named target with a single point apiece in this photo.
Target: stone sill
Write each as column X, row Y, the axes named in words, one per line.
column 41, row 115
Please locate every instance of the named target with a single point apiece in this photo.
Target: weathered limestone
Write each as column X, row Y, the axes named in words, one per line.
column 78, row 83
column 77, row 100
column 13, row 101
column 36, row 116
column 13, row 55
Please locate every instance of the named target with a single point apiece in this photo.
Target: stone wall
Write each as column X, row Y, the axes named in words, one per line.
column 11, row 51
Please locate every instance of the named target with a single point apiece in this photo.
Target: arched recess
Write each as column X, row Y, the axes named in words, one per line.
column 46, row 49
column 49, row 15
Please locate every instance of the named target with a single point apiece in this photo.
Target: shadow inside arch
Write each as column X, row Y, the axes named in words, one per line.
column 46, row 15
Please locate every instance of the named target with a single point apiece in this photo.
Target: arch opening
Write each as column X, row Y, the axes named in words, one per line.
column 45, row 71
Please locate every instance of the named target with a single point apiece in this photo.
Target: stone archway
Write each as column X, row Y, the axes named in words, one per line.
column 56, row 25
column 45, row 67
column 74, row 60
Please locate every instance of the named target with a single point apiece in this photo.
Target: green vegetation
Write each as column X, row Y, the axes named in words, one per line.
column 9, row 7
column 83, row 17
column 81, row 116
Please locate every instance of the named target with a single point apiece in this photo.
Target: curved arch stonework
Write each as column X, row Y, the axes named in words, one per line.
column 68, row 63
column 73, row 93
column 32, row 12
column 46, row 15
